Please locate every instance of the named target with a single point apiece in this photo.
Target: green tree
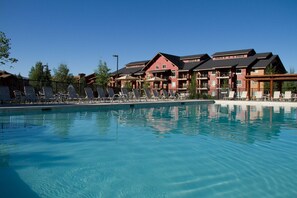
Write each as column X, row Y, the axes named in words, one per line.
column 4, row 50
column 192, row 88
column 62, row 78
column 40, row 75
column 270, row 70
column 290, row 85
column 62, row 74
column 102, row 74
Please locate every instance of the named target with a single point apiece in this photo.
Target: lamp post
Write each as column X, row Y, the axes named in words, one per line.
column 117, row 56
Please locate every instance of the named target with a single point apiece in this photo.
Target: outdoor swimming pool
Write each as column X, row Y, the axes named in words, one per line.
column 179, row 151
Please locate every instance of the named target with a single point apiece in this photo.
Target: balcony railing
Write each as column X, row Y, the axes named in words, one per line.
column 203, row 76
column 203, row 87
column 223, row 75
column 183, row 77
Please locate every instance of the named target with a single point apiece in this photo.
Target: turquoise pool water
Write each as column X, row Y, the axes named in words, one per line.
column 179, row 151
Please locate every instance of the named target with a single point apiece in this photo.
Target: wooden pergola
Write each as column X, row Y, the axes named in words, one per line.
column 268, row 78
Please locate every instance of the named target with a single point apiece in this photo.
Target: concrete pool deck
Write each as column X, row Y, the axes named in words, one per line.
column 256, row 103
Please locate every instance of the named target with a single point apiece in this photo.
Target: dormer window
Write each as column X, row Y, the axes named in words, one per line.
column 163, row 66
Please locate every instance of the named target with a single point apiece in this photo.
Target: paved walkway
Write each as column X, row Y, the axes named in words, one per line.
column 257, row 103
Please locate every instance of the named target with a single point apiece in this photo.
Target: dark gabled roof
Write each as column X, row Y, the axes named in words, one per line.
column 139, row 73
column 174, row 59
column 126, row 71
column 131, row 70
column 191, row 65
column 234, row 52
column 214, row 64
column 263, row 55
column 119, row 71
column 137, row 63
column 196, row 56
column 264, row 63
column 227, row 63
column 246, row 62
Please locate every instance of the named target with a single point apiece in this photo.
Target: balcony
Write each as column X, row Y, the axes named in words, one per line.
column 183, row 87
column 183, row 77
column 203, row 77
column 223, row 75
column 203, row 87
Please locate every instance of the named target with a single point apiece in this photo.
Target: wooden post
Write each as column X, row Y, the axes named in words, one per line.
column 271, row 89
column 248, row 89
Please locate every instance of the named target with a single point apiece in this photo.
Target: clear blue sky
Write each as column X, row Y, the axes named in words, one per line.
column 79, row 33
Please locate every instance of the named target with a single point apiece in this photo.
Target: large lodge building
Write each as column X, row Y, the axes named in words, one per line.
column 226, row 70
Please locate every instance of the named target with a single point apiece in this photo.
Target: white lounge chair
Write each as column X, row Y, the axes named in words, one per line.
column 259, row 95
column 230, row 96
column 276, row 95
column 243, row 95
column 288, row 96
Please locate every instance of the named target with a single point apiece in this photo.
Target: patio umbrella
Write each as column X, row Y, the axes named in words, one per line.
column 155, row 79
column 127, row 78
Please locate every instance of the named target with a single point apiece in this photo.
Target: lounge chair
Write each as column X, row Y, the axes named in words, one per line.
column 288, row 96
column 137, row 95
column 72, row 95
column 230, row 96
column 30, row 95
column 243, row 95
column 89, row 94
column 49, row 95
column 18, row 96
column 259, row 95
column 101, row 94
column 156, row 95
column 166, row 95
column 125, row 94
column 276, row 95
column 147, row 93
column 4, row 94
column 112, row 96
column 174, row 94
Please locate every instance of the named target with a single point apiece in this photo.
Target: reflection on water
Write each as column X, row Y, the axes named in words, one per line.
column 237, row 123
column 187, row 147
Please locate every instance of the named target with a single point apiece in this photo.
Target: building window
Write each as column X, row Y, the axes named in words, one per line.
column 239, row 83
column 173, row 73
column 157, row 67
column 238, row 71
column 213, row 73
column 163, row 66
